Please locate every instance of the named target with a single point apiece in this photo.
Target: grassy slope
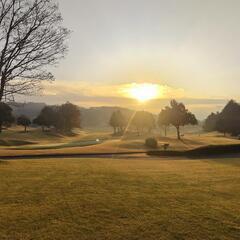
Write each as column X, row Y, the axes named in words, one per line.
column 33, row 135
column 85, row 142
column 16, row 142
column 41, row 138
column 120, row 199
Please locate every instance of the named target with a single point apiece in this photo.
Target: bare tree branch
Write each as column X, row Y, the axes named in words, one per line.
column 31, row 39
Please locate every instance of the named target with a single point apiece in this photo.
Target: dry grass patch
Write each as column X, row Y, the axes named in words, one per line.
column 120, row 199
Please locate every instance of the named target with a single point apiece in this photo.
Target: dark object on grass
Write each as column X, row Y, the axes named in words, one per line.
column 151, row 142
column 165, row 146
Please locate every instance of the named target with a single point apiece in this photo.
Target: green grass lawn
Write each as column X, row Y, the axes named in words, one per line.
column 125, row 199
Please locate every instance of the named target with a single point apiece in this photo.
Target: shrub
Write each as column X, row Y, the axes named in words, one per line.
column 151, row 142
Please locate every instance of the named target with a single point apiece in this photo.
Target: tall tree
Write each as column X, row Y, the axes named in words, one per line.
column 210, row 124
column 177, row 115
column 46, row 118
column 32, row 38
column 122, row 122
column 68, row 117
column 24, row 121
column 163, row 120
column 113, row 122
column 229, row 119
column 117, row 122
column 143, row 120
column 6, row 117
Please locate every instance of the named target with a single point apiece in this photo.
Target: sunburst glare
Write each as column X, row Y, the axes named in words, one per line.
column 144, row 91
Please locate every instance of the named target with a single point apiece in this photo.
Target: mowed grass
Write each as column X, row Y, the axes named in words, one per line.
column 14, row 142
column 137, row 198
column 35, row 137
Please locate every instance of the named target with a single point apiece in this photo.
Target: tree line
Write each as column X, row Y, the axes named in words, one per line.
column 227, row 121
column 67, row 116
column 176, row 115
column 62, row 118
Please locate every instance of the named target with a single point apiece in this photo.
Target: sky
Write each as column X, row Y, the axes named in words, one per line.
column 190, row 48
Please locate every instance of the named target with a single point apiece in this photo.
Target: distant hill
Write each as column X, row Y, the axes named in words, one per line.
column 29, row 109
column 94, row 117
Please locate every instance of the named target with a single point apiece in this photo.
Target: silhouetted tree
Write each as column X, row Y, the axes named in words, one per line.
column 163, row 120
column 24, row 121
column 229, row 119
column 143, row 120
column 210, row 123
column 122, row 121
column 6, row 117
column 113, row 122
column 32, row 38
column 46, row 118
column 222, row 125
column 118, row 122
column 64, row 117
column 177, row 115
column 68, row 117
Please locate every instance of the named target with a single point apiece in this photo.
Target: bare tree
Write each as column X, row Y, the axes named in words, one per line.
column 31, row 39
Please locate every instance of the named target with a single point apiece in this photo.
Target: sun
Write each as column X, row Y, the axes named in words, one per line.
column 144, row 91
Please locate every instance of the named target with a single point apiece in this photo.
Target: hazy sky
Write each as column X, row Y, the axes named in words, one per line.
column 189, row 46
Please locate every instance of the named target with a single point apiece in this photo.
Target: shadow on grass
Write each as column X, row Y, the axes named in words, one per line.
column 210, row 151
column 3, row 162
column 205, row 153
column 14, row 142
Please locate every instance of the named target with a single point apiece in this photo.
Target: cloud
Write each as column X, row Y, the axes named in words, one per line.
column 92, row 95
column 63, row 88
